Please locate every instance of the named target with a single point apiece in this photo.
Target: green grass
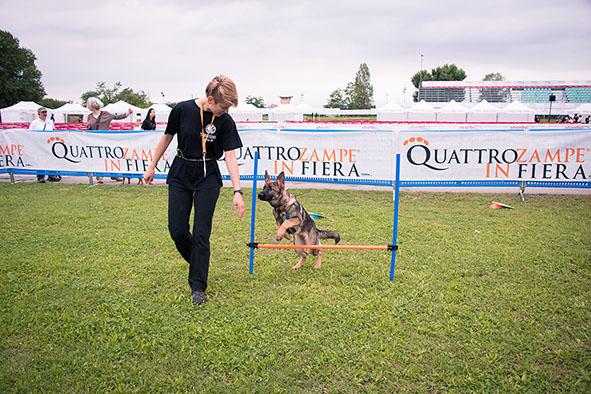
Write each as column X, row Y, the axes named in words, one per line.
column 93, row 297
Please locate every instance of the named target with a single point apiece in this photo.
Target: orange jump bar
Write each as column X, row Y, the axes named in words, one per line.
column 322, row 247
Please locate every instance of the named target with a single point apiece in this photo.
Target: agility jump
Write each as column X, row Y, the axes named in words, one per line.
column 393, row 247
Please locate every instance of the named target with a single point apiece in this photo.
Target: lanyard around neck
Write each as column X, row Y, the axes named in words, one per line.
column 203, row 139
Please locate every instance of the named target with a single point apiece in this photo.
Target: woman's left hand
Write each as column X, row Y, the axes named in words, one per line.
column 238, row 204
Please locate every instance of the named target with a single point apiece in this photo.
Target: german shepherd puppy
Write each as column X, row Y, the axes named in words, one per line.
column 292, row 219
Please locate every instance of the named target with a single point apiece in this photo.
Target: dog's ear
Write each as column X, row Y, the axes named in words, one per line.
column 281, row 179
column 267, row 178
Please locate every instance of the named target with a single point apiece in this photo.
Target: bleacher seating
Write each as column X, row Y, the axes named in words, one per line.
column 578, row 95
column 535, row 95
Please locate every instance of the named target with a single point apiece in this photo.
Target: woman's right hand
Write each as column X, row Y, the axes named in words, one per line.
column 149, row 176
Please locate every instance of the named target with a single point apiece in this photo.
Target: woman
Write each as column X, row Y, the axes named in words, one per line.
column 100, row 120
column 150, row 122
column 204, row 133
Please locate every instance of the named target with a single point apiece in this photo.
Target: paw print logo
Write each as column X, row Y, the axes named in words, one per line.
column 55, row 139
column 419, row 140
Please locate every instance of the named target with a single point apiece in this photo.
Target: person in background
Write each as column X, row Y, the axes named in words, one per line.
column 205, row 132
column 150, row 122
column 100, row 120
column 44, row 124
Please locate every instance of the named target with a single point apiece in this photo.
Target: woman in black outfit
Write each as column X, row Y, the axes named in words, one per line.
column 205, row 132
column 150, row 122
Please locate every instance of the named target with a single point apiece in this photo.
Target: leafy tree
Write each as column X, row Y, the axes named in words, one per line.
column 113, row 94
column 447, row 72
column 336, row 100
column 493, row 77
column 256, row 101
column 51, row 103
column 20, row 80
column 420, row 76
column 139, row 99
column 356, row 95
column 360, row 91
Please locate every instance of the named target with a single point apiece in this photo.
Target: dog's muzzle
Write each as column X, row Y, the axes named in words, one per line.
column 263, row 196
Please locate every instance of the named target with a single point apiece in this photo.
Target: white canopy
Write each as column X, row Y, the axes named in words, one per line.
column 162, row 112
column 422, row 112
column 246, row 113
column 24, row 111
column 581, row 109
column 285, row 112
column 392, row 112
column 62, row 113
column 483, row 112
column 121, row 107
column 452, row 112
column 516, row 112
column 306, row 108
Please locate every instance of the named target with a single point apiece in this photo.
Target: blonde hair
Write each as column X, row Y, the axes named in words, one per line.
column 223, row 91
column 94, row 103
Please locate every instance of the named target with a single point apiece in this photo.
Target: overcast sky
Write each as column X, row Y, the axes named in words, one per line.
column 286, row 47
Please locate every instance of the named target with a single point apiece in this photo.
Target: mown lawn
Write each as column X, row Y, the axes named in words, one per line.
column 93, row 297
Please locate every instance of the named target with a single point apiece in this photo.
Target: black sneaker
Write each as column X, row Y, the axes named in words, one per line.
column 199, row 297
column 53, row 179
column 40, row 180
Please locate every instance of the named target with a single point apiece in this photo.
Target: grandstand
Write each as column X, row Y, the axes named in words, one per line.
column 533, row 92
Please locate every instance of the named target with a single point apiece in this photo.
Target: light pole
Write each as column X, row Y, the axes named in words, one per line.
column 552, row 98
column 420, row 78
column 404, row 96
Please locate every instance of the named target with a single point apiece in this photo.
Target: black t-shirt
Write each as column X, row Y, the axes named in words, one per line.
column 184, row 121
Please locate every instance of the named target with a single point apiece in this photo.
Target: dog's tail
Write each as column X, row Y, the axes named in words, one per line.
column 329, row 235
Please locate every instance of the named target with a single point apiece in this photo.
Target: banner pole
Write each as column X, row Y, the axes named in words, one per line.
column 254, row 210
column 395, row 225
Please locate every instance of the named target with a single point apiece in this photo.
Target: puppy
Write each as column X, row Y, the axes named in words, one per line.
column 293, row 220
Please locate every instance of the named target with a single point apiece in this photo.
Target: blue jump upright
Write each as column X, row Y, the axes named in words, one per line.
column 395, row 224
column 253, row 211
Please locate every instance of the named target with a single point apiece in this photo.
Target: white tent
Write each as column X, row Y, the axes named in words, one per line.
column 24, row 111
column 516, row 112
column 121, row 107
column 162, row 112
column 285, row 112
column 69, row 111
column 392, row 112
column 306, row 108
column 246, row 113
column 452, row 112
column 483, row 112
column 422, row 112
column 581, row 109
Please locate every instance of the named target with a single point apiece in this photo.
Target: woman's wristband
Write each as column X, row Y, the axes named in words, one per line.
column 238, row 191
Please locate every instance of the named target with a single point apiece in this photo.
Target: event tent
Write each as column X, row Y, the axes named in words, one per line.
column 246, row 113
column 483, row 112
column 306, row 108
column 392, row 112
column 285, row 112
column 422, row 112
column 162, row 112
column 71, row 113
column 516, row 112
column 581, row 109
column 24, row 111
column 121, row 107
column 452, row 112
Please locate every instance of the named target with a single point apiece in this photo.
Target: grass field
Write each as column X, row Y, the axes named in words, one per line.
column 93, row 297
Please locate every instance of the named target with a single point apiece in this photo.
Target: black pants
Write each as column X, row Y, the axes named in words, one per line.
column 193, row 247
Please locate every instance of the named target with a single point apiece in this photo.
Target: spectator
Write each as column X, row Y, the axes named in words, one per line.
column 587, row 119
column 100, row 120
column 150, row 122
column 44, row 124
